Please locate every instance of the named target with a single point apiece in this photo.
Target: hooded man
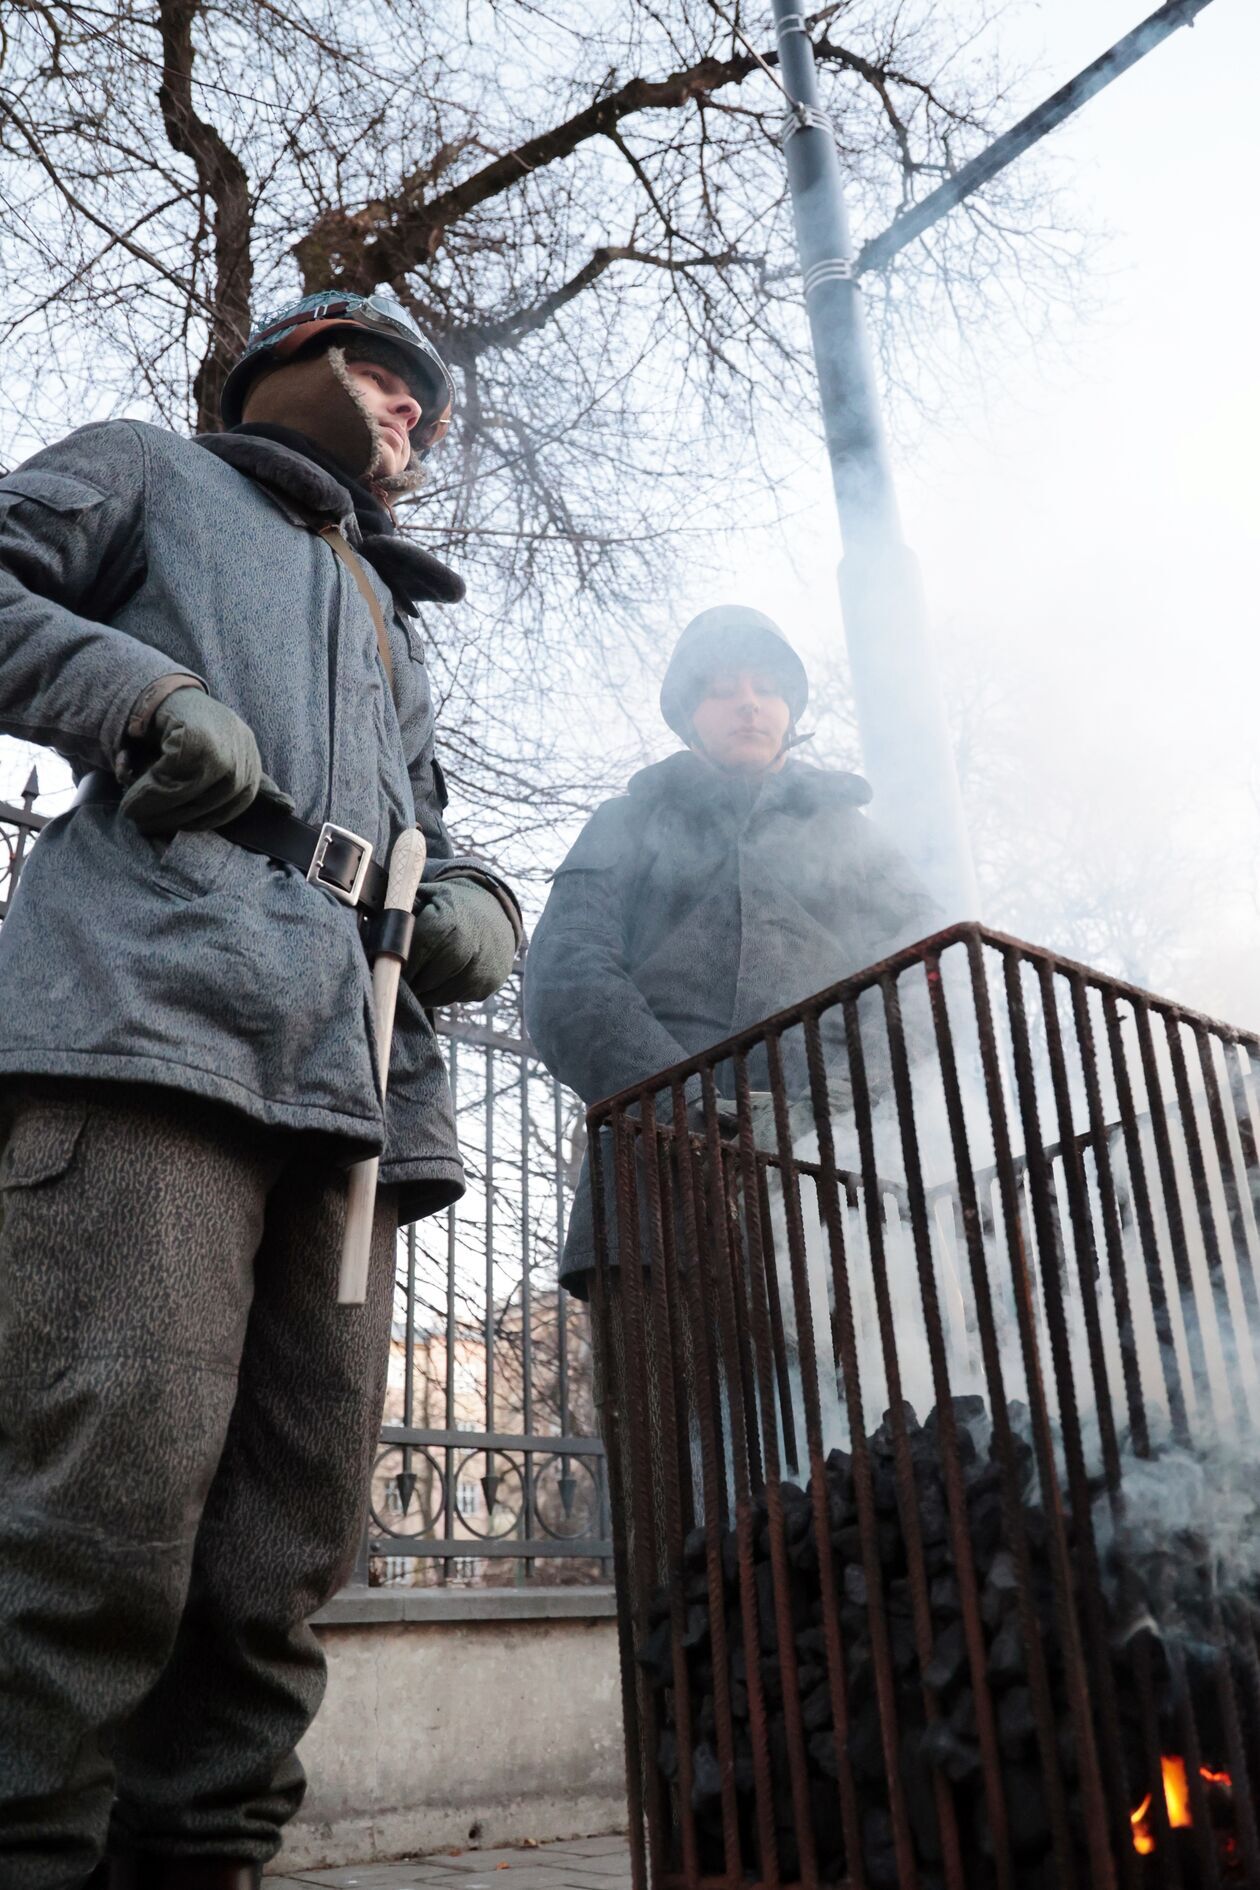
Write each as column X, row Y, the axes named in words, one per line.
column 730, row 881
column 224, row 637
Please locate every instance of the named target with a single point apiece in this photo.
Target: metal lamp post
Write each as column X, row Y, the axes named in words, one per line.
column 901, row 717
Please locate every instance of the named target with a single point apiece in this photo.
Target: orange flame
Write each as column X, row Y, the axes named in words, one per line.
column 1143, row 1842
column 1176, row 1793
column 1176, row 1799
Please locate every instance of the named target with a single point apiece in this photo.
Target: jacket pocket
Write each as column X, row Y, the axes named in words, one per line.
column 193, row 864
column 42, row 1142
column 58, row 491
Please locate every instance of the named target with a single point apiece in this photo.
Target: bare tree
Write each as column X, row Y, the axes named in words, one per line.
column 583, row 203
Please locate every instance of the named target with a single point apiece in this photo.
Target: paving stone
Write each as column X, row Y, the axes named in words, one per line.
column 417, row 1875
column 567, row 1879
column 540, row 1876
column 485, row 1861
column 615, row 1844
column 601, row 1863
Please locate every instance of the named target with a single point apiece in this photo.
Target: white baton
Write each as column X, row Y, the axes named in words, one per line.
column 406, row 864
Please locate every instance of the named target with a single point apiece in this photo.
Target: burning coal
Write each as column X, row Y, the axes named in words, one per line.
column 1176, row 1788
column 914, row 1643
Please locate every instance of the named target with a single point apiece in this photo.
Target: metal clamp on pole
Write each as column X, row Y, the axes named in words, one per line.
column 831, row 269
column 805, row 118
column 392, row 943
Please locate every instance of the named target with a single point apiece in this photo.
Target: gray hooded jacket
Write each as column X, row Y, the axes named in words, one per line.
column 126, row 553
column 697, row 904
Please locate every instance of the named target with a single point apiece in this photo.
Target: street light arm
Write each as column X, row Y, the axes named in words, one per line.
column 881, row 249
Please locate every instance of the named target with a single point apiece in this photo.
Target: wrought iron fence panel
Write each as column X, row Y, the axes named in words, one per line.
column 490, row 1468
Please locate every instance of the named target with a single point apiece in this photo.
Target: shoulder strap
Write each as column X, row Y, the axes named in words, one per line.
column 338, row 542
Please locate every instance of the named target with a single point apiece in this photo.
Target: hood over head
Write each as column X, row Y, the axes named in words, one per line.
column 728, row 636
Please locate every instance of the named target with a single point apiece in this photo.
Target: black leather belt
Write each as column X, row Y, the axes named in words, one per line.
column 329, row 856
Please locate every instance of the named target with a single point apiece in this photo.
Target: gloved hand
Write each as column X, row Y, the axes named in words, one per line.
column 464, row 943
column 761, row 1112
column 726, row 1115
column 207, row 769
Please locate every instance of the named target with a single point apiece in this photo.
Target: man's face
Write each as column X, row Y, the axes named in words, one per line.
column 741, row 721
column 392, row 405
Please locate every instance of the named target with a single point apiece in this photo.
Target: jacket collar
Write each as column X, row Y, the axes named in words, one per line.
column 311, row 496
column 687, row 779
column 373, row 516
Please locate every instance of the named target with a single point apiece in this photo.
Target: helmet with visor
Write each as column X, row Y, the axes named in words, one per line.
column 279, row 337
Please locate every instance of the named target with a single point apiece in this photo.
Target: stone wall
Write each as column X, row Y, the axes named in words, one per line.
column 457, row 1719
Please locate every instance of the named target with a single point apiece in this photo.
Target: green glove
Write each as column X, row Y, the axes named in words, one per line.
column 761, row 1111
column 464, row 943
column 206, row 771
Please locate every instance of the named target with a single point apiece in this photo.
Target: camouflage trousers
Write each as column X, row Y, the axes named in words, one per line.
column 187, row 1424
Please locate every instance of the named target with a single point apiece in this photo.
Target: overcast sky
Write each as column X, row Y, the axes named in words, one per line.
column 1095, row 522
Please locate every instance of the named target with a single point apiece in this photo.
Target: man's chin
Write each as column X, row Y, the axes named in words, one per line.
column 749, row 761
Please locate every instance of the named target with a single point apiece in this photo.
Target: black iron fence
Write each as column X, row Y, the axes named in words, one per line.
column 18, row 828
column 490, row 1469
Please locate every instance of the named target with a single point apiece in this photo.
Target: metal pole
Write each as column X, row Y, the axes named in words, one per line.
column 901, row 717
column 1013, row 143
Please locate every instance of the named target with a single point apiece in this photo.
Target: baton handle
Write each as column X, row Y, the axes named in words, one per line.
column 406, row 865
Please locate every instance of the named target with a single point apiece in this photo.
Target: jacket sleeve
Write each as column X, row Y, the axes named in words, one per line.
column 587, row 1017
column 899, row 905
column 71, row 553
column 902, row 910
column 428, row 789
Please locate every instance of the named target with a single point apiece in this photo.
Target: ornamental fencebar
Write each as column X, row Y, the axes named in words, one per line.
column 490, row 1468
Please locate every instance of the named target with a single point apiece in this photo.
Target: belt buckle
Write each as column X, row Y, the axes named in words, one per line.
column 349, row 896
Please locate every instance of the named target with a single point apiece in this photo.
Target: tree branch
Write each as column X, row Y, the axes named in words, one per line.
column 222, row 178
column 476, row 338
column 120, row 238
column 392, row 236
column 386, row 239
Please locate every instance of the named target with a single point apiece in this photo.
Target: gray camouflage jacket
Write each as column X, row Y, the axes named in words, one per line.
column 695, row 905
column 127, row 552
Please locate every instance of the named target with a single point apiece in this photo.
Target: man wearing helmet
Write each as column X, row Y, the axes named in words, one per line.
column 224, row 637
column 729, row 881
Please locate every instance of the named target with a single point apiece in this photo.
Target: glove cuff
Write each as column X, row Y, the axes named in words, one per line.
column 150, row 700
column 490, row 884
column 139, row 724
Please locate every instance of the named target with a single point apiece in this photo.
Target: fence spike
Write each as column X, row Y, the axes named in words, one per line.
column 405, row 1484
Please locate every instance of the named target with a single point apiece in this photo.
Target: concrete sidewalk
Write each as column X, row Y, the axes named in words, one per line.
column 579, row 1864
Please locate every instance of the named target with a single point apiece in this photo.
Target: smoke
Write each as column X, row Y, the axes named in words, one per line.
column 1201, row 1505
column 1148, row 1277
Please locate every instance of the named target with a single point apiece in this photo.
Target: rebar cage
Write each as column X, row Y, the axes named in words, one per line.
column 926, row 1316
